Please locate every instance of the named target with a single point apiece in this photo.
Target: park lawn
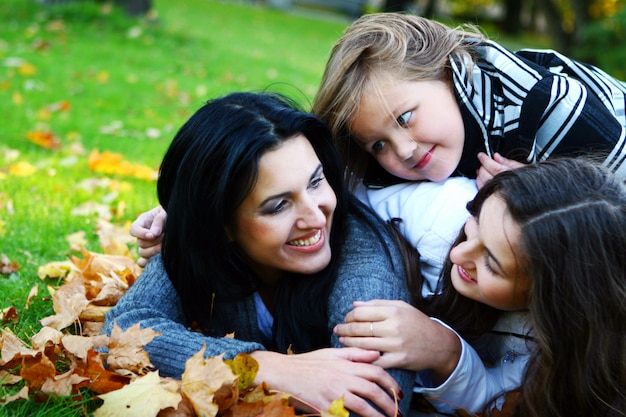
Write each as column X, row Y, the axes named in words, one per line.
column 82, row 80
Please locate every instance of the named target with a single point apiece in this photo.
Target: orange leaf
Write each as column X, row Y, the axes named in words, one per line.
column 36, row 369
column 101, row 380
column 44, row 139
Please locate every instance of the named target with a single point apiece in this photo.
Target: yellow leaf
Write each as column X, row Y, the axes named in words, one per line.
column 22, row 169
column 204, row 380
column 27, row 69
column 336, row 409
column 144, row 397
column 245, row 367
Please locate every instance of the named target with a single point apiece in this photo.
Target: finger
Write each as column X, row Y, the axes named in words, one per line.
column 358, row 355
column 379, row 388
column 149, row 252
column 142, row 262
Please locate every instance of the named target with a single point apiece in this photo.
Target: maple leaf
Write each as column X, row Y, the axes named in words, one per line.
column 77, row 241
column 101, row 380
column 80, row 346
column 6, row 266
column 21, row 395
column 245, row 367
column 22, row 169
column 114, row 240
column 9, row 315
column 126, row 348
column 13, row 348
column 36, row 369
column 62, row 385
column 143, row 397
column 209, row 384
column 7, row 378
column 56, row 269
column 46, row 336
column 68, row 302
column 336, row 409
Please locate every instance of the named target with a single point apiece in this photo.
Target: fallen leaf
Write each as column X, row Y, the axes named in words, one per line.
column 62, row 385
column 245, row 367
column 9, row 315
column 202, row 380
column 36, row 369
column 6, row 266
column 101, row 380
column 126, row 348
column 21, row 395
column 46, row 140
column 143, row 397
column 68, row 302
column 32, row 294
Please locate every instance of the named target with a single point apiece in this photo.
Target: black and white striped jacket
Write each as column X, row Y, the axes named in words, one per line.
column 535, row 104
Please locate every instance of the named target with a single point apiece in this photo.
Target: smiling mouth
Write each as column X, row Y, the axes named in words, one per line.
column 424, row 160
column 308, row 241
column 464, row 275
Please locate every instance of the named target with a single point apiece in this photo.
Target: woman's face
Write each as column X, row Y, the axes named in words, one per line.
column 486, row 265
column 284, row 223
column 414, row 129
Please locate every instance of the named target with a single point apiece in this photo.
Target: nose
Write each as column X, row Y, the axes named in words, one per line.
column 468, row 252
column 404, row 146
column 311, row 214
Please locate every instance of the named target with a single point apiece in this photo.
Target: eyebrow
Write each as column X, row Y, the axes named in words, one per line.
column 491, row 255
column 316, row 173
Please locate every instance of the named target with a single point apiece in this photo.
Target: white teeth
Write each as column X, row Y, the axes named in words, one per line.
column 307, row 242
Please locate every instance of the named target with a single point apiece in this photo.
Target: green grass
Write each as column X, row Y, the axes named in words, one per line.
column 130, row 83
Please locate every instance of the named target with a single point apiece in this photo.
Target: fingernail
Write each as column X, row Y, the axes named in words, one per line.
column 400, row 394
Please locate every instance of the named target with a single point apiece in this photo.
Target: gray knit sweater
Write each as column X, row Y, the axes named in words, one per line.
column 369, row 268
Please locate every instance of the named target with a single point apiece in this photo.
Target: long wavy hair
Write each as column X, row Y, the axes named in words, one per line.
column 375, row 48
column 207, row 172
column 572, row 217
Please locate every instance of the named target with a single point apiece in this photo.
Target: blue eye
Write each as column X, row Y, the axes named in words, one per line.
column 316, row 182
column 403, row 119
column 378, row 146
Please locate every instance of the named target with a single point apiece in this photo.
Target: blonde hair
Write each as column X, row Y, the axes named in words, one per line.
column 377, row 46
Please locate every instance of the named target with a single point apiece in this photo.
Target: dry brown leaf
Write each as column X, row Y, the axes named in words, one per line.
column 144, row 397
column 13, row 348
column 126, row 348
column 114, row 239
column 202, row 380
column 7, row 378
column 68, row 302
column 62, row 385
column 9, row 315
column 6, row 266
column 21, row 395
column 45, row 336
column 101, row 380
column 32, row 294
column 80, row 346
column 36, row 369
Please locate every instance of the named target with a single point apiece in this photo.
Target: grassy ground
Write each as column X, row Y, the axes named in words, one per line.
column 84, row 78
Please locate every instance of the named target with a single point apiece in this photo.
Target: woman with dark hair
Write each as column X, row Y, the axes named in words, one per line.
column 264, row 241
column 536, row 284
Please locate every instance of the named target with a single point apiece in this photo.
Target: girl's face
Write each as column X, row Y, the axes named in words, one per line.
column 284, row 223
column 414, row 129
column 486, row 265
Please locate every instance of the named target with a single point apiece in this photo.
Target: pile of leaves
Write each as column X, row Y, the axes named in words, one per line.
column 69, row 355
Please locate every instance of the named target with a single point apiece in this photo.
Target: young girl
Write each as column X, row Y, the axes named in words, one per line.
column 536, row 283
column 426, row 102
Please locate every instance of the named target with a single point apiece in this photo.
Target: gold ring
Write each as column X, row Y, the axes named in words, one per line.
column 371, row 329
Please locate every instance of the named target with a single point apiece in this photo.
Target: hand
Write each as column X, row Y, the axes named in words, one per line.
column 148, row 229
column 492, row 166
column 408, row 338
column 325, row 375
